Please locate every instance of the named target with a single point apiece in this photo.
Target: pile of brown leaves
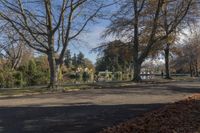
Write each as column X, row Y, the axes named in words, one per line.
column 179, row 117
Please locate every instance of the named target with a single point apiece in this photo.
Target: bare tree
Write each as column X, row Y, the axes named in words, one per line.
column 188, row 57
column 191, row 52
column 185, row 14
column 11, row 47
column 139, row 21
column 48, row 26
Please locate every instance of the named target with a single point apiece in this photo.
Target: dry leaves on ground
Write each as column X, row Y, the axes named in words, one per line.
column 179, row 117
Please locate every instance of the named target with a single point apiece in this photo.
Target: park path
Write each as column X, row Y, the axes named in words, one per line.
column 87, row 111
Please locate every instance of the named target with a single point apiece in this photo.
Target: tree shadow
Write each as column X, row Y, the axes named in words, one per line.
column 74, row 118
column 186, row 89
column 150, row 89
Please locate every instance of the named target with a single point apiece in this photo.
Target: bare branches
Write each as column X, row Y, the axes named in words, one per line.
column 48, row 26
column 146, row 24
column 137, row 21
column 11, row 47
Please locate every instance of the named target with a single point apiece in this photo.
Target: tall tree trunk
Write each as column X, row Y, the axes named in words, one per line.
column 167, row 69
column 136, row 65
column 196, row 69
column 136, row 73
column 53, row 70
column 191, row 72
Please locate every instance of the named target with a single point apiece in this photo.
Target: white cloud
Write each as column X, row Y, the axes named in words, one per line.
column 93, row 37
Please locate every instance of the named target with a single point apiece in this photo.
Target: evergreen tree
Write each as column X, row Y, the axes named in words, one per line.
column 80, row 59
column 101, row 64
column 116, row 56
column 68, row 59
column 31, row 72
column 74, row 61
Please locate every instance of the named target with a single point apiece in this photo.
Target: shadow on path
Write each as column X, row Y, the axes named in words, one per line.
column 79, row 118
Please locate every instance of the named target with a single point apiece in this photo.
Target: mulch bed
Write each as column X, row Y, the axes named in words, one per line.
column 179, row 117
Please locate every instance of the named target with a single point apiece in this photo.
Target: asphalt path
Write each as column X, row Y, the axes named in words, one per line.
column 87, row 111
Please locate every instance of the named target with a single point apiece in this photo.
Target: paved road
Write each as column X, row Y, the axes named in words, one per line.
column 87, row 111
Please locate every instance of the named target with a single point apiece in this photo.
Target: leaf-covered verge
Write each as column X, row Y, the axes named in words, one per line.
column 179, row 117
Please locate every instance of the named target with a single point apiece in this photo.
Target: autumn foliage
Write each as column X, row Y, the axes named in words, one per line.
column 179, row 117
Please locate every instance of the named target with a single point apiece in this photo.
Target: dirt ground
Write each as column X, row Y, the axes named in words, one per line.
column 87, row 111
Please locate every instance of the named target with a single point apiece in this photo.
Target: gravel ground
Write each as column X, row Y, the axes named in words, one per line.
column 87, row 111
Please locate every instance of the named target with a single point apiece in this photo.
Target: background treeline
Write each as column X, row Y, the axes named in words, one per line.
column 34, row 70
column 184, row 56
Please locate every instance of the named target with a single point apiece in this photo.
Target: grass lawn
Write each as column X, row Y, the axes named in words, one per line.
column 21, row 91
column 9, row 92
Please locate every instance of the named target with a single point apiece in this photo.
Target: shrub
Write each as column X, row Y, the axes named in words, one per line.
column 118, row 75
column 31, row 73
column 41, row 78
column 9, row 79
column 86, row 76
column 18, row 76
column 78, row 76
column 60, row 75
column 72, row 75
column 2, row 80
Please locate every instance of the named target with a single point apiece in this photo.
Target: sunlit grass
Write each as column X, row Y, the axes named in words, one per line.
column 21, row 91
column 76, row 87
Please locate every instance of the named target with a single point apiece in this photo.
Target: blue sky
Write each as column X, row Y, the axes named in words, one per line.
column 90, row 40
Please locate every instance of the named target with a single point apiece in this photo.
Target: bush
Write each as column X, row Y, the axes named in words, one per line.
column 86, row 76
column 41, row 78
column 34, row 74
column 2, row 80
column 118, row 75
column 78, row 76
column 9, row 79
column 31, row 73
column 74, row 76
column 60, row 75
column 18, row 76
